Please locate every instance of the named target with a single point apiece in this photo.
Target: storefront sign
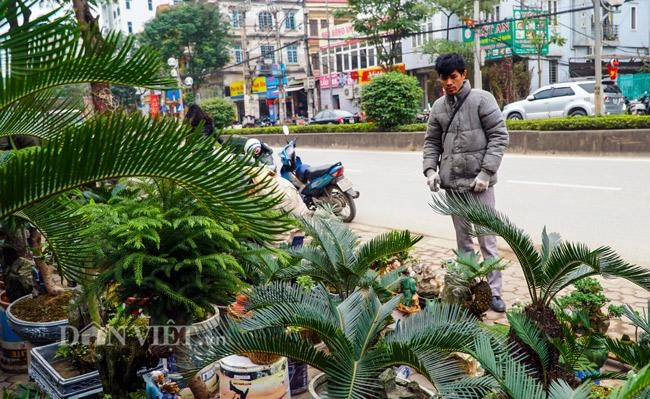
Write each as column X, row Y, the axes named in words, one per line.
column 154, row 105
column 331, row 80
column 366, row 74
column 259, row 85
column 237, row 89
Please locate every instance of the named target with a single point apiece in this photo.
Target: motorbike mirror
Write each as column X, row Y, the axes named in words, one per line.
column 285, row 130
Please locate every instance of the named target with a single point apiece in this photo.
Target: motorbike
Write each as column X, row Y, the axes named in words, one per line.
column 640, row 106
column 238, row 143
column 319, row 185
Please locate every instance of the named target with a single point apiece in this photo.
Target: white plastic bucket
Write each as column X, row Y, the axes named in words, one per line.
column 238, row 375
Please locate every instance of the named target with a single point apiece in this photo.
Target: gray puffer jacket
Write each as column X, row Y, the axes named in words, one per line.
column 476, row 139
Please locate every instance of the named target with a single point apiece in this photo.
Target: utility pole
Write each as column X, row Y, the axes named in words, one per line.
column 244, row 49
column 598, row 48
column 308, row 89
column 329, row 57
column 477, row 47
column 283, row 108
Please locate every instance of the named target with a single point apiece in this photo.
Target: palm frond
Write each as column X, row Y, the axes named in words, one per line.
column 642, row 322
column 470, row 209
column 55, row 218
column 120, row 146
column 560, row 389
column 632, row 353
column 529, row 334
column 382, row 245
column 549, row 243
column 636, row 387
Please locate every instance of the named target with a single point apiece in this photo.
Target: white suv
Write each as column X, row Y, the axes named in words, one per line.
column 566, row 99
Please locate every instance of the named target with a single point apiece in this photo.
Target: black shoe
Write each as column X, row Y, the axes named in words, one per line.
column 497, row 304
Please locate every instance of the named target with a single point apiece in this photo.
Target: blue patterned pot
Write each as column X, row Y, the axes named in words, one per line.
column 38, row 333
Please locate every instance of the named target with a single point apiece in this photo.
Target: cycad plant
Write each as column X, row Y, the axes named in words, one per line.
column 358, row 347
column 336, row 258
column 43, row 55
column 556, row 265
column 466, row 284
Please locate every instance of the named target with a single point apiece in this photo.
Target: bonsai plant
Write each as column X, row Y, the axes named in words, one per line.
column 555, row 266
column 36, row 183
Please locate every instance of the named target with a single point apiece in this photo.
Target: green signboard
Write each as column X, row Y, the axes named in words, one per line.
column 518, row 36
column 531, row 32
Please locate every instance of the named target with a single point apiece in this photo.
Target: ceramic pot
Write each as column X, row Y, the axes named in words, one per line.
column 38, row 333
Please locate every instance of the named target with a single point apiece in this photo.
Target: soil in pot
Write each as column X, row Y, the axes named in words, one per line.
column 65, row 368
column 43, row 308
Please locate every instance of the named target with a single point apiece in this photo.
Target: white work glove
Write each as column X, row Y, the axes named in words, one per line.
column 481, row 182
column 433, row 180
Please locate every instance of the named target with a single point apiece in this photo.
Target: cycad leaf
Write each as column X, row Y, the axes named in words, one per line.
column 529, row 334
column 382, row 245
column 636, row 387
column 560, row 389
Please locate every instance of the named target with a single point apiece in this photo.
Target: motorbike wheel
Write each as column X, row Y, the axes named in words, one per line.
column 342, row 203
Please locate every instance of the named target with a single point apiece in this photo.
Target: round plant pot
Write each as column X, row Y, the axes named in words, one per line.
column 13, row 349
column 38, row 333
column 318, row 386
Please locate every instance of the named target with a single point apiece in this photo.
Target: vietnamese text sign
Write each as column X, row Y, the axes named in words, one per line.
column 237, row 89
column 531, row 32
column 366, row 74
column 496, row 39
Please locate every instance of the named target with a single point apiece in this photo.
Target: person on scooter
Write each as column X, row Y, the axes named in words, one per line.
column 260, row 151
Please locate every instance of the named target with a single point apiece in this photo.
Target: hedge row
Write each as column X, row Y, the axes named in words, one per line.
column 571, row 123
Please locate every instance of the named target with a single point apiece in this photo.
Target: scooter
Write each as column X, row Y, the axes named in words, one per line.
column 319, row 185
column 640, row 106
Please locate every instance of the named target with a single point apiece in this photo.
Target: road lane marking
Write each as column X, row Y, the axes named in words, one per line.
column 539, row 183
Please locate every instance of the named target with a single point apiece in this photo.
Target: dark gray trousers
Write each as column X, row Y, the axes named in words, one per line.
column 488, row 244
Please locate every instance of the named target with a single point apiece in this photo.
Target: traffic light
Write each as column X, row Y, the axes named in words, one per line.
column 469, row 22
column 612, row 68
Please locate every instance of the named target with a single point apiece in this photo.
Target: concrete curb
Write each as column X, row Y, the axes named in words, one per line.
column 626, row 142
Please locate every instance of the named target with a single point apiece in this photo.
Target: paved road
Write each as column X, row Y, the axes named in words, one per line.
column 598, row 201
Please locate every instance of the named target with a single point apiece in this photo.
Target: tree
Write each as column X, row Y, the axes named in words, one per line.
column 536, row 29
column 385, row 23
column 464, row 9
column 391, row 99
column 195, row 33
column 221, row 110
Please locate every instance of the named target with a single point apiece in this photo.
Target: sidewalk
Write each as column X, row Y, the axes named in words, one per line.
column 431, row 250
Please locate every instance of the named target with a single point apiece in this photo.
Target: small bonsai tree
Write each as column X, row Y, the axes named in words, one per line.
column 391, row 99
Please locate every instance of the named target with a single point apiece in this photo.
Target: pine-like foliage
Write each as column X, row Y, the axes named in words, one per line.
column 162, row 244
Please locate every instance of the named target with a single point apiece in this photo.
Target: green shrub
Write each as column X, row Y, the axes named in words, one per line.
column 583, row 123
column 391, row 99
column 221, row 110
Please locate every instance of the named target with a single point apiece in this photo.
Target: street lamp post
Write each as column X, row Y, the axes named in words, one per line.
column 598, row 48
column 173, row 64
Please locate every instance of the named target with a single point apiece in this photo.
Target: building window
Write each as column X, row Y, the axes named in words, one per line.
column 552, row 71
column 238, row 53
column 129, row 26
column 265, row 20
column 236, row 19
column 268, row 52
column 313, row 27
column 323, row 24
column 363, row 58
column 633, row 18
column 127, row 4
column 150, row 5
column 292, row 54
column 315, row 62
column 497, row 13
column 354, row 56
column 371, row 57
column 290, row 21
column 118, row 10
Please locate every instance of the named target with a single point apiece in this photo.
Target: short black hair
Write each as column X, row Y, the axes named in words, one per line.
column 448, row 63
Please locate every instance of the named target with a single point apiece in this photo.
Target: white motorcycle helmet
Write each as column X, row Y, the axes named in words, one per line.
column 254, row 146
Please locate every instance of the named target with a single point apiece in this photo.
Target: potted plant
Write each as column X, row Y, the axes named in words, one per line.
column 556, row 265
column 336, row 258
column 39, row 183
column 466, row 283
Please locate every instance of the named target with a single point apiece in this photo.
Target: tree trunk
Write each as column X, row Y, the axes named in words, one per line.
column 119, row 364
column 448, row 19
column 198, row 388
column 36, row 241
column 539, row 70
column 92, row 38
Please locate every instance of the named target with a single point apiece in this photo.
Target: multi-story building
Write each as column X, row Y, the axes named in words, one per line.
column 267, row 73
column 129, row 16
column 623, row 36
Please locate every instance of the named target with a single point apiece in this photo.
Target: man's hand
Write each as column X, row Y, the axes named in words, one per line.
column 433, row 180
column 481, row 182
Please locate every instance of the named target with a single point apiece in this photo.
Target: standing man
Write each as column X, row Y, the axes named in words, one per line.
column 463, row 146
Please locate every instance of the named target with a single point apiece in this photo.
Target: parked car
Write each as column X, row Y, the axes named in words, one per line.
column 330, row 116
column 566, row 99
